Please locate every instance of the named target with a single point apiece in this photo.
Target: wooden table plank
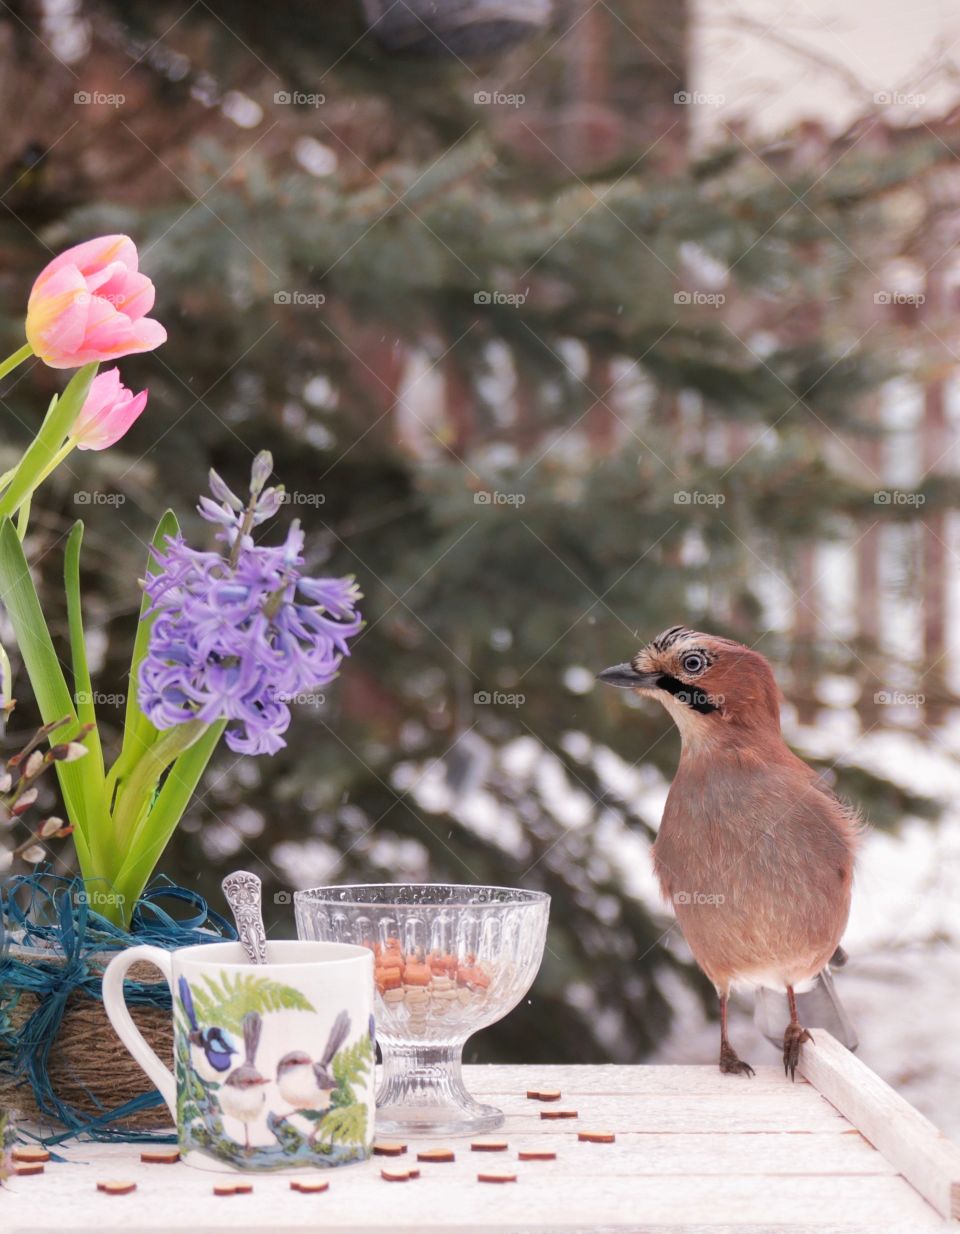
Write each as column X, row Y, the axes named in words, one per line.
column 448, row 1198
column 695, row 1151
column 501, row 1081
column 909, row 1141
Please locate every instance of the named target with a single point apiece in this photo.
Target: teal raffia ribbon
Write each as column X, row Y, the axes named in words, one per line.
column 54, row 915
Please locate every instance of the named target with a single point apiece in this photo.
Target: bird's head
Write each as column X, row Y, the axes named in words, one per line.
column 296, row 1058
column 713, row 687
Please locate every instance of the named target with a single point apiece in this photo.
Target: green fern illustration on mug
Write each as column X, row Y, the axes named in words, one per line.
column 227, row 1001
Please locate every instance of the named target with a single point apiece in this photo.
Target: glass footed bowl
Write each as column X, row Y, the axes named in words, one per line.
column 449, row 960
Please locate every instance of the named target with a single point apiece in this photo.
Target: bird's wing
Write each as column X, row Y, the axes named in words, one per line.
column 186, row 998
column 252, row 1027
column 338, row 1035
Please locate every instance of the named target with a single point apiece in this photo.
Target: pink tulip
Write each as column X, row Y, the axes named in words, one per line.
column 89, row 304
column 107, row 412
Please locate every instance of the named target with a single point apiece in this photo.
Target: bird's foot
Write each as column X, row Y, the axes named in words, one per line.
column 793, row 1039
column 731, row 1063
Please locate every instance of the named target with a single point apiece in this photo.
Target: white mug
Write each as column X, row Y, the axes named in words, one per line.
column 274, row 1062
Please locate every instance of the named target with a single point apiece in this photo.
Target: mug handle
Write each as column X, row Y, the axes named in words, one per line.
column 116, row 1008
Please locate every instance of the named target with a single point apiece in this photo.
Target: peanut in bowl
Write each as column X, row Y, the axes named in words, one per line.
column 449, row 960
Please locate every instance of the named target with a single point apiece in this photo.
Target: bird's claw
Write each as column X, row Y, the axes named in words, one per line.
column 793, row 1039
column 732, row 1064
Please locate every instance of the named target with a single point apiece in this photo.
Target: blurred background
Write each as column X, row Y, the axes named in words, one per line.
column 565, row 321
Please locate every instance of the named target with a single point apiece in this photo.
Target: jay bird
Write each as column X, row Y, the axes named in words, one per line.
column 754, row 850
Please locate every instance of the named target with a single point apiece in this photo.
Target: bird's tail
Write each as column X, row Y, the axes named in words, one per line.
column 186, row 998
column 818, row 1007
column 338, row 1035
column 252, row 1027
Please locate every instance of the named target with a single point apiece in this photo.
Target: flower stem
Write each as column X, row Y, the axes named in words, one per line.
column 13, row 361
column 136, row 791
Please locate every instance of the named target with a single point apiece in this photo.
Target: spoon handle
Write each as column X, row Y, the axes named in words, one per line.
column 243, row 893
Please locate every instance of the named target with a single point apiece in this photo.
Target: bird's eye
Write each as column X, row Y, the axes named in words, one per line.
column 693, row 662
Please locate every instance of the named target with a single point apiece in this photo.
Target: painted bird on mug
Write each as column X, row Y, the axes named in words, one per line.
column 308, row 1085
column 242, row 1094
column 211, row 1049
column 754, row 851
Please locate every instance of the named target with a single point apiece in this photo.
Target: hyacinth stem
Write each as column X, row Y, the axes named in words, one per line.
column 136, row 791
column 13, row 361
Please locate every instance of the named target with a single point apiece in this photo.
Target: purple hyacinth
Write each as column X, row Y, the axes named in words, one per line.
column 236, row 636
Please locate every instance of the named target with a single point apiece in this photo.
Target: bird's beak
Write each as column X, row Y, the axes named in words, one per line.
column 627, row 678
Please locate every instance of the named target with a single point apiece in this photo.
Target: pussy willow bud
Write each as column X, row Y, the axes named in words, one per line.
column 24, row 802
column 69, row 752
column 50, row 827
column 33, row 765
column 6, row 781
column 33, row 854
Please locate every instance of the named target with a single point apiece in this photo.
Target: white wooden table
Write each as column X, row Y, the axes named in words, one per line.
column 694, row 1151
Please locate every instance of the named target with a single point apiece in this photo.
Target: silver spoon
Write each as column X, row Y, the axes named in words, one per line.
column 243, row 893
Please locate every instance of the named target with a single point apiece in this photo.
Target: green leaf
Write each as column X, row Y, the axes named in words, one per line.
column 19, row 597
column 138, row 732
column 43, row 449
column 154, row 832
column 225, row 1002
column 346, row 1124
column 82, row 686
